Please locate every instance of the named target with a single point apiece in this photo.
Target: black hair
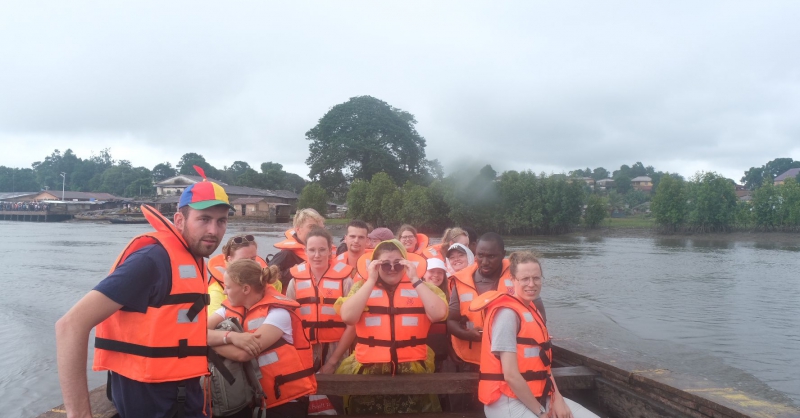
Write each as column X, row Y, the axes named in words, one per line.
column 495, row 238
column 357, row 223
column 472, row 233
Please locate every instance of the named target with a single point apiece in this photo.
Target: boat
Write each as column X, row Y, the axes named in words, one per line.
column 128, row 220
column 594, row 377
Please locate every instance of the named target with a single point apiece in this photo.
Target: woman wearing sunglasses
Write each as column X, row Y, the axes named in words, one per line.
column 316, row 285
column 392, row 311
column 238, row 247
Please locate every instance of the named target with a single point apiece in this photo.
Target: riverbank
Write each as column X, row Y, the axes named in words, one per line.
column 639, row 232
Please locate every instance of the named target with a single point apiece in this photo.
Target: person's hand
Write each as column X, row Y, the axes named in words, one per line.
column 411, row 270
column 246, row 341
column 328, row 368
column 475, row 334
column 372, row 271
column 559, row 408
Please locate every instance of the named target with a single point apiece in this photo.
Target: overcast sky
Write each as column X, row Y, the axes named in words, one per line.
column 681, row 86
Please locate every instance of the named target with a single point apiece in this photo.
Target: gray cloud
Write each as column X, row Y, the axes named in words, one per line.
column 547, row 87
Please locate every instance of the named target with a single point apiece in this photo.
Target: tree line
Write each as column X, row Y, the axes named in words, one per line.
column 101, row 173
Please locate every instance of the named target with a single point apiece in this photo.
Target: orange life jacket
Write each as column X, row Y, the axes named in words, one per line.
column 217, row 267
column 343, row 257
column 168, row 342
column 463, row 283
column 320, row 321
column 422, row 244
column 393, row 329
column 292, row 244
column 534, row 352
column 287, row 370
column 434, row 251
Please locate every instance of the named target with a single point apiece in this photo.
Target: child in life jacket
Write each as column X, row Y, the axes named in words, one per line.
column 284, row 348
column 438, row 338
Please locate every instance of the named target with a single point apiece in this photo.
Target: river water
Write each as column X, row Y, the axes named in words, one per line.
column 727, row 311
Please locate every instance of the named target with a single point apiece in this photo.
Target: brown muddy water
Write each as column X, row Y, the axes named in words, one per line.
column 727, row 311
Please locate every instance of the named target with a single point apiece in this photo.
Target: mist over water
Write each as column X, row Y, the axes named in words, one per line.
column 725, row 311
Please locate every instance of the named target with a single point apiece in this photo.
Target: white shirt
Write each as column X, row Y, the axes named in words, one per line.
column 277, row 317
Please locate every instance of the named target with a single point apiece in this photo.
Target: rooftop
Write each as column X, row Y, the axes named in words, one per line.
column 789, row 174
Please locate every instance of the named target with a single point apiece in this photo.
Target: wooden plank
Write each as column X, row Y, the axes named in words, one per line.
column 470, row 414
column 573, row 378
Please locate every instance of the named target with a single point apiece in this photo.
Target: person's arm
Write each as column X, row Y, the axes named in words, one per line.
column 348, row 336
column 291, row 293
column 72, row 346
column 517, row 383
column 353, row 307
column 558, row 407
column 266, row 335
column 454, row 321
column 435, row 307
column 217, row 296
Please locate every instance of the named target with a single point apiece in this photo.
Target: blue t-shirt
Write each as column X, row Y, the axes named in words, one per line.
column 143, row 280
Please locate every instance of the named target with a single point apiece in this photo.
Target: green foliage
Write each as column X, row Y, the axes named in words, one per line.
column 363, row 137
column 163, row 171
column 756, row 177
column 191, row 159
column 18, row 180
column 381, row 188
column 313, row 196
column 712, row 202
column 124, row 180
column 622, row 183
column 357, row 200
column 669, row 206
column 600, row 173
column 766, row 206
column 636, row 198
column 596, row 211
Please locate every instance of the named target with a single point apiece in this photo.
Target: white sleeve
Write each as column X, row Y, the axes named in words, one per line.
column 220, row 311
column 281, row 319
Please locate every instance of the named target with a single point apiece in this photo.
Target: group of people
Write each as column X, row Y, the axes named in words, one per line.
column 378, row 303
column 23, row 206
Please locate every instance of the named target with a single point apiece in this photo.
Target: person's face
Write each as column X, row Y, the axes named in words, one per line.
column 356, row 239
column 489, row 258
column 203, row 229
column 390, row 257
column 409, row 240
column 318, row 251
column 250, row 253
column 303, row 230
column 528, row 281
column 458, row 260
column 461, row 239
column 434, row 276
column 373, row 242
column 234, row 291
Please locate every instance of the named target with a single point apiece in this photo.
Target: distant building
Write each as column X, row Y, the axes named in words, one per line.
column 261, row 207
column 789, row 174
column 169, row 191
column 17, row 196
column 78, row 196
column 642, row 183
column 604, row 184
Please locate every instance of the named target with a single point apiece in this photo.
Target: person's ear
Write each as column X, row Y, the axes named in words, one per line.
column 178, row 220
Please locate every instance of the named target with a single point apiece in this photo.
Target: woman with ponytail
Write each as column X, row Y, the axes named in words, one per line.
column 284, row 349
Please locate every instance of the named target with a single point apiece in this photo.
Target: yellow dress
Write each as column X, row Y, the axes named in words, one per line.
column 388, row 404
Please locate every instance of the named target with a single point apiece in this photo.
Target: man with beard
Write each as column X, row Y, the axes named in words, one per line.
column 150, row 316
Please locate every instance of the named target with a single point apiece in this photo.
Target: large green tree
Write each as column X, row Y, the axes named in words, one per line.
column 712, row 200
column 191, row 159
column 596, row 210
column 362, row 137
column 163, row 171
column 18, row 180
column 669, row 205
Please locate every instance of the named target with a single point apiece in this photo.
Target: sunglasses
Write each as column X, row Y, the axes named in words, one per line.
column 388, row 266
column 242, row 239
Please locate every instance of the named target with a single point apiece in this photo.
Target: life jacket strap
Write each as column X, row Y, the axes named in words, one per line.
column 529, row 376
column 286, row 378
column 218, row 363
column 545, row 348
column 373, row 342
column 177, row 410
column 313, row 300
column 385, row 310
column 323, row 324
column 181, row 351
column 198, row 301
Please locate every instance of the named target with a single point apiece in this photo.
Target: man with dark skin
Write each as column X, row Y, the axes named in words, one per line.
column 489, row 259
column 488, row 272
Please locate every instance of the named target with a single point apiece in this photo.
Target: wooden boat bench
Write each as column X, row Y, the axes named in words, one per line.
column 567, row 378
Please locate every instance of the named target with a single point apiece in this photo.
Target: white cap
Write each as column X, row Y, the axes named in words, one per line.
column 435, row 263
